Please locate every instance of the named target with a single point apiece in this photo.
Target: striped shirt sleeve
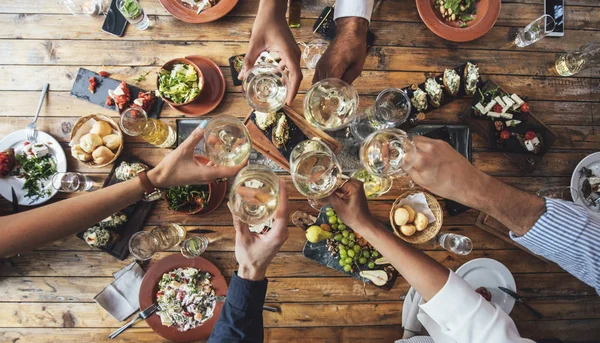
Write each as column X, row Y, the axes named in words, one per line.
column 567, row 234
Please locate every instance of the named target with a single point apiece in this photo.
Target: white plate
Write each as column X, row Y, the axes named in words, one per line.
column 488, row 273
column 591, row 162
column 16, row 141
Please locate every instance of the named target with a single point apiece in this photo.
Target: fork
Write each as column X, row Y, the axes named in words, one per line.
column 143, row 315
column 30, row 130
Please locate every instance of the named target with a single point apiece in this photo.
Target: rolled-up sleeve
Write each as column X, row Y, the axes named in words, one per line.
column 241, row 318
column 353, row 8
column 568, row 235
column 465, row 316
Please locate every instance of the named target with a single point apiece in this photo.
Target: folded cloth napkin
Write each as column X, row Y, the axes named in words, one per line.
column 120, row 298
column 410, row 323
column 419, row 203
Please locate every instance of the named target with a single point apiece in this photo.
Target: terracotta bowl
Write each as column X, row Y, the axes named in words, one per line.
column 189, row 15
column 487, row 14
column 187, row 210
column 169, row 65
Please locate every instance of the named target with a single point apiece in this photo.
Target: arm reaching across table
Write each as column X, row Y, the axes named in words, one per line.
column 31, row 229
column 558, row 230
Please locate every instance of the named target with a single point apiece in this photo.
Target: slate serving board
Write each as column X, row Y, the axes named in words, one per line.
column 318, row 252
column 80, row 91
column 136, row 214
column 296, row 135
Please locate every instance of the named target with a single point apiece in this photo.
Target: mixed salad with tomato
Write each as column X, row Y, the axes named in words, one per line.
column 185, row 298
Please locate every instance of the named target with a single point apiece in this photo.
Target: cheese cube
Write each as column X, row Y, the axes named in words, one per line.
column 480, row 108
column 506, row 115
column 531, row 144
column 490, row 105
column 517, row 100
column 494, row 114
column 499, row 101
column 40, row 150
column 513, row 122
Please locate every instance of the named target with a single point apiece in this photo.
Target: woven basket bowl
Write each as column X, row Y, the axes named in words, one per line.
column 112, row 123
column 432, row 229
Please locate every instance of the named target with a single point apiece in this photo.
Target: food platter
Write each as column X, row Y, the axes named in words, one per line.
column 591, row 162
column 491, row 274
column 16, row 140
column 149, row 288
column 487, row 14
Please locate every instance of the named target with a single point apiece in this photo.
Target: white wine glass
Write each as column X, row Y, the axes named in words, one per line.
column 374, row 186
column 315, row 170
column 392, row 108
column 330, row 104
column 265, row 87
column 388, row 153
column 227, row 141
column 254, row 197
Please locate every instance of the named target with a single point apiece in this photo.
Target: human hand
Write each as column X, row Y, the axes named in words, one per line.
column 346, row 55
column 180, row 168
column 443, row 171
column 254, row 252
column 272, row 33
column 350, row 204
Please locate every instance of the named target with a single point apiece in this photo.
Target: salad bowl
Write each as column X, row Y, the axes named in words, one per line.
column 180, row 78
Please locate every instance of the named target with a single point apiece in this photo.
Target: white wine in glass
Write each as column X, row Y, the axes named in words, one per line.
column 227, row 141
column 330, row 104
column 265, row 87
column 254, row 197
column 388, row 153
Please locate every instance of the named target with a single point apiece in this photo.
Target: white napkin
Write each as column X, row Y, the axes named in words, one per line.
column 120, row 298
column 419, row 203
column 410, row 323
column 83, row 129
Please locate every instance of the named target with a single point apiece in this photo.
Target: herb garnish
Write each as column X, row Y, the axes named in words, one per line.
column 194, row 196
column 141, row 77
column 35, row 170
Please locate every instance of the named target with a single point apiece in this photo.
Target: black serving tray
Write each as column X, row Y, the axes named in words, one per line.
column 80, row 91
column 318, row 252
column 296, row 135
column 136, row 214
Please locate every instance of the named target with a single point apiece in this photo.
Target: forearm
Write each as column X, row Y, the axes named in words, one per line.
column 28, row 230
column 425, row 274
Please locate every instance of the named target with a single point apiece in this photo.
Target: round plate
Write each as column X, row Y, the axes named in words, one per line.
column 149, row 288
column 218, row 191
column 591, row 162
column 16, row 140
column 487, row 14
column 213, row 92
column 189, row 15
column 488, row 273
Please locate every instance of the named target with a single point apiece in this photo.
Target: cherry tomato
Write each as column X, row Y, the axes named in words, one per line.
column 497, row 108
column 103, row 73
column 187, row 314
column 525, row 108
column 158, row 294
column 26, row 143
column 504, row 134
column 529, row 135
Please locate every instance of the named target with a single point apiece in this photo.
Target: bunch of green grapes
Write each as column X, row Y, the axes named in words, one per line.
column 345, row 245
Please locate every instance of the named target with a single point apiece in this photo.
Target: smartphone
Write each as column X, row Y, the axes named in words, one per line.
column 114, row 22
column 556, row 9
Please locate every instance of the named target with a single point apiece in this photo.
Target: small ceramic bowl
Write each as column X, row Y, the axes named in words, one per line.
column 169, row 65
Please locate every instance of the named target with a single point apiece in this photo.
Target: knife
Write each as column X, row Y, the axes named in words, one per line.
column 15, row 201
column 520, row 299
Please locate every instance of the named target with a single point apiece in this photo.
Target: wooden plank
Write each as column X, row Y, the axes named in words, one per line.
column 286, row 264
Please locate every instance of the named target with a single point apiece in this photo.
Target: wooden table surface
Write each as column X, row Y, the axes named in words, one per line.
column 47, row 295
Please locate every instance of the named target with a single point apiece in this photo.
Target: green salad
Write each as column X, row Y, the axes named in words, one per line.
column 35, row 171
column 179, row 85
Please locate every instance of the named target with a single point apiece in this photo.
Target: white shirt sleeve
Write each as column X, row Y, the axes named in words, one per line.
column 465, row 316
column 353, row 8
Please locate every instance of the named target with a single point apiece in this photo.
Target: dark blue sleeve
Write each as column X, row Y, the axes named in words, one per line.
column 241, row 318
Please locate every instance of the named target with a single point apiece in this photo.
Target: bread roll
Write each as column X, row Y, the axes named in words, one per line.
column 408, row 230
column 411, row 213
column 112, row 141
column 102, row 155
column 101, row 128
column 421, row 221
column 90, row 142
column 401, row 216
column 79, row 154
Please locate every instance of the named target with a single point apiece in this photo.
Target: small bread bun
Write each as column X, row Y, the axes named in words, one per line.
column 112, row 141
column 90, row 142
column 102, row 155
column 101, row 128
column 411, row 213
column 79, row 154
column 401, row 216
column 408, row 230
column 421, row 221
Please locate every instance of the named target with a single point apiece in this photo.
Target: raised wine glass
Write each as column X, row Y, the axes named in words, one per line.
column 227, row 141
column 391, row 109
column 388, row 153
column 265, row 87
column 254, row 197
column 330, row 104
column 315, row 170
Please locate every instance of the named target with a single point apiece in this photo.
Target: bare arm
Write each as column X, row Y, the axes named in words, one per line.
column 28, row 230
